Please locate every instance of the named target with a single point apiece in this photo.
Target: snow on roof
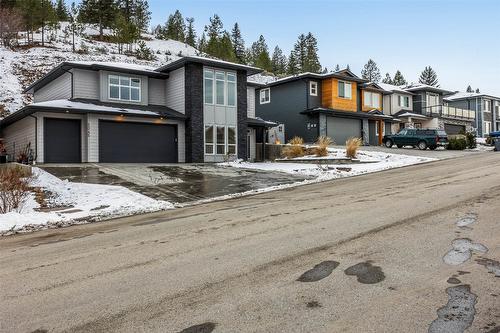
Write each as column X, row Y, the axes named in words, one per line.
column 421, row 86
column 67, row 104
column 393, row 88
column 122, row 65
column 410, row 114
column 261, row 79
column 466, row 95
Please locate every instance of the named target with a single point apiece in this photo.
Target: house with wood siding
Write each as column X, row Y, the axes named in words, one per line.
column 339, row 105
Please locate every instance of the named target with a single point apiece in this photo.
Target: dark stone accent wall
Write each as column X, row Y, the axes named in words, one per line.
column 194, row 112
column 242, row 114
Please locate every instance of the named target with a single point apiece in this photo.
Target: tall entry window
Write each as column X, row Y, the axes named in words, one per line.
column 219, row 87
column 220, row 140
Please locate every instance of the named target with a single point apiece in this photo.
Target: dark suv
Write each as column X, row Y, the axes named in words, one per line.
column 421, row 138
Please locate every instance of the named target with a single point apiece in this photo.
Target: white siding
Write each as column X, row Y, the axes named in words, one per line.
column 59, row 88
column 86, row 84
column 18, row 135
column 175, row 90
column 251, row 102
column 157, row 92
column 252, row 140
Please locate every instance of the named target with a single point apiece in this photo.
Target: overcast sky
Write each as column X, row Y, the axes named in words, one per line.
column 460, row 39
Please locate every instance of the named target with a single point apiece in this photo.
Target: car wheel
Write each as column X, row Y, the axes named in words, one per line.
column 388, row 143
column 422, row 145
column 432, row 147
column 400, row 146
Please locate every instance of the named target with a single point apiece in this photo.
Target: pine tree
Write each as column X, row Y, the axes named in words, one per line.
column 202, row 43
column 238, row 44
column 61, row 11
column 348, row 68
column 76, row 27
column 190, row 32
column 399, row 79
column 429, row 77
column 226, row 48
column 300, row 52
column 214, row 33
column 260, row 55
column 125, row 32
column 312, row 63
column 293, row 65
column 142, row 15
column 100, row 12
column 337, row 68
column 175, row 27
column 387, row 79
column 278, row 62
column 371, row 72
column 469, row 89
column 477, row 91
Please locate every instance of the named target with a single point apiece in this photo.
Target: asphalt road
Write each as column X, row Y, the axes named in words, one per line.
column 364, row 254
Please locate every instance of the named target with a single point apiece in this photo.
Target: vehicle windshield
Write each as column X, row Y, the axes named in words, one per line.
column 403, row 132
column 442, row 133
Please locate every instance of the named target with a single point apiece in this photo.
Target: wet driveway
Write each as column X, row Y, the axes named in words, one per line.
column 179, row 183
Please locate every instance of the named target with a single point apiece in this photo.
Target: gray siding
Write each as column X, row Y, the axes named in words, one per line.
column 287, row 101
column 18, row 135
column 60, row 88
column 313, row 101
column 175, row 90
column 156, row 92
column 86, row 84
column 104, row 91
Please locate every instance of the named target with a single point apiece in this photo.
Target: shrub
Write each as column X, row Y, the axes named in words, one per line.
column 457, row 144
column 471, row 140
column 489, row 141
column 351, row 147
column 144, row 52
column 295, row 148
column 14, row 188
column 322, row 145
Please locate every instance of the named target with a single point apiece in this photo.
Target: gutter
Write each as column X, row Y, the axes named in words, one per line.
column 72, row 82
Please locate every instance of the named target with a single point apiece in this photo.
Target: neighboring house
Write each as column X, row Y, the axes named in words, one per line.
column 486, row 107
column 431, row 111
column 398, row 101
column 339, row 105
column 191, row 110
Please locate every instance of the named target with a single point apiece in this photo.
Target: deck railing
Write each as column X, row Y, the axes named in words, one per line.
column 449, row 112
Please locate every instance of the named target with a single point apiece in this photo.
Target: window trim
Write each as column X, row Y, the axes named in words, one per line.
column 205, row 70
column 214, row 80
column 214, row 143
column 260, row 96
column 224, row 97
column 350, row 89
column 372, row 94
column 315, row 85
column 119, row 85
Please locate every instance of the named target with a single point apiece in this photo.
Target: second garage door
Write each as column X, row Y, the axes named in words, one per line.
column 127, row 142
column 451, row 129
column 341, row 129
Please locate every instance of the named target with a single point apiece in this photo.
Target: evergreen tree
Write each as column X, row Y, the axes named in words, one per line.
column 125, row 32
column 293, row 65
column 175, row 27
column 429, row 77
column 278, row 62
column 300, row 52
column 477, row 91
column 387, row 79
column 469, row 89
column 61, row 11
column 76, row 27
column 202, row 43
column 371, row 72
column 312, row 63
column 142, row 15
column 100, row 12
column 214, row 33
column 337, row 68
column 190, row 32
column 226, row 48
column 399, row 79
column 238, row 44
column 260, row 55
column 348, row 68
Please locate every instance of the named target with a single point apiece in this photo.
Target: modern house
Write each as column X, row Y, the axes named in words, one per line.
column 486, row 107
column 339, row 105
column 191, row 110
column 430, row 110
column 398, row 103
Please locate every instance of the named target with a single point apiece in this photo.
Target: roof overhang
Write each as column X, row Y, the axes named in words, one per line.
column 257, row 122
column 351, row 114
column 209, row 62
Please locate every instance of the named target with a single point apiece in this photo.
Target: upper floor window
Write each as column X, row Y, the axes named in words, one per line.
column 371, row 99
column 487, row 105
column 345, row 90
column 124, row 88
column 219, row 87
column 313, row 88
column 404, row 101
column 265, row 96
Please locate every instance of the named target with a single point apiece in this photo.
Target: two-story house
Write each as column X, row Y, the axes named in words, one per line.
column 398, row 103
column 486, row 107
column 429, row 103
column 339, row 105
column 191, row 110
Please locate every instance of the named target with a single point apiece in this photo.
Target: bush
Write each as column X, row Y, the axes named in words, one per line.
column 471, row 140
column 295, row 148
column 322, row 145
column 457, row 144
column 14, row 188
column 351, row 147
column 144, row 52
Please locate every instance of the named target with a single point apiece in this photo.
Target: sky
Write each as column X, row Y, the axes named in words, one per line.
column 458, row 38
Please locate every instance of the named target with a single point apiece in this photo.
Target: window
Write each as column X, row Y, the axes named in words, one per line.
column 487, row 127
column 209, row 140
column 231, row 140
column 403, row 101
column 487, row 105
column 313, row 88
column 345, row 90
column 208, row 90
column 265, row 96
column 219, row 87
column 221, row 140
column 124, row 88
column 371, row 99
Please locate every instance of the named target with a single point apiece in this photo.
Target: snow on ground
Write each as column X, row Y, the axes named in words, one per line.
column 83, row 202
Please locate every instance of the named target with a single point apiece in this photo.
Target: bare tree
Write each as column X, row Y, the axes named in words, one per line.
column 11, row 23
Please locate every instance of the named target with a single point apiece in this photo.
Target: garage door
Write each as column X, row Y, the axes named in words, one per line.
column 341, row 129
column 62, row 140
column 124, row 142
column 454, row 129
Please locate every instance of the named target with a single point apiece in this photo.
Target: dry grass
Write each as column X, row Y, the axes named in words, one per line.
column 295, row 148
column 351, row 147
column 14, row 188
column 322, row 146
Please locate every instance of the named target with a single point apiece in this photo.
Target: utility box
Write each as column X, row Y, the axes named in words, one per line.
column 497, row 144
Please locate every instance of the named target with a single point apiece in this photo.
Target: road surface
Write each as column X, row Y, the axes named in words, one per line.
column 364, row 254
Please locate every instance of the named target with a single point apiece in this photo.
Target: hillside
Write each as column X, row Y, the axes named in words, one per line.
column 22, row 66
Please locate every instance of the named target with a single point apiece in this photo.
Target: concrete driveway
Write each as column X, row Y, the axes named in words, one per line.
column 179, row 183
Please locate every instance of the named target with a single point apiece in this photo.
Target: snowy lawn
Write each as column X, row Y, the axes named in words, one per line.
column 78, row 203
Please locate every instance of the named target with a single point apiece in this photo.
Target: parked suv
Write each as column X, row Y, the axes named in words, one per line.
column 421, row 138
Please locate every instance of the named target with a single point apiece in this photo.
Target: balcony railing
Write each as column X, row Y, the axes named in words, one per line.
column 449, row 112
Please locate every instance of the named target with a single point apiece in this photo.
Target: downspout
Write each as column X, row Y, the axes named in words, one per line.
column 35, row 158
column 72, row 79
